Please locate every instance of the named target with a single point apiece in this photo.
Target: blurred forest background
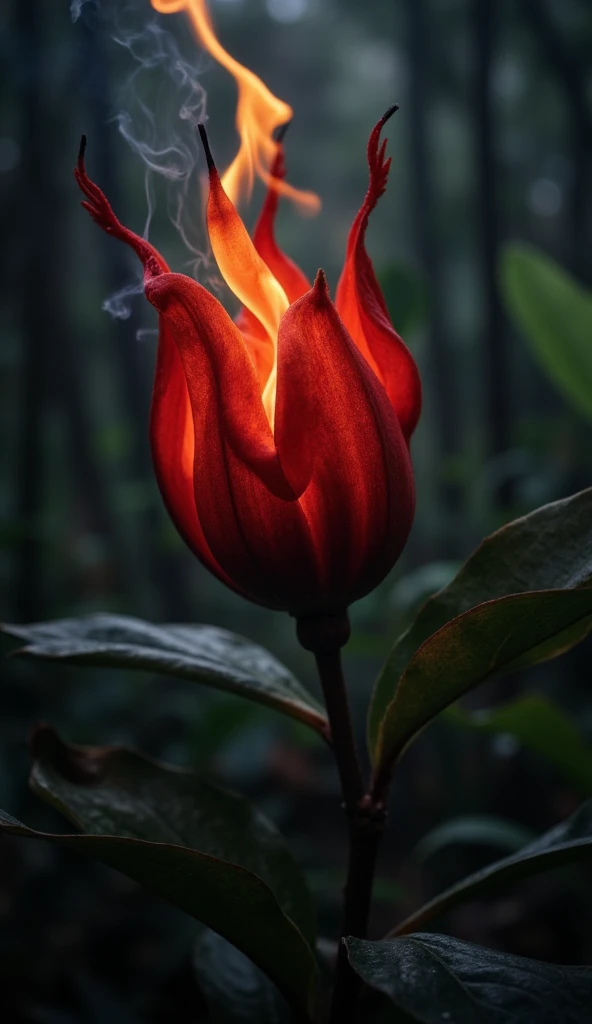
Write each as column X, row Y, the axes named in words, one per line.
column 492, row 146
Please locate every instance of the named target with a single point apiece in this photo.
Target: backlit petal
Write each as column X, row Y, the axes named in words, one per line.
column 291, row 278
column 361, row 305
column 171, row 420
column 173, row 447
column 341, row 447
column 243, row 269
column 252, row 523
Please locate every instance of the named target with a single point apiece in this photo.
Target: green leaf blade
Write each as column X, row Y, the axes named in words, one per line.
column 113, row 790
column 437, row 979
column 554, row 313
column 236, row 991
column 540, row 726
column 202, row 848
column 566, row 843
column 471, row 830
column 492, row 638
column 206, row 654
column 226, row 898
column 551, row 548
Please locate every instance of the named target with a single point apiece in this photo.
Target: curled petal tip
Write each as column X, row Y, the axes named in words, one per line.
column 389, row 113
column 206, row 145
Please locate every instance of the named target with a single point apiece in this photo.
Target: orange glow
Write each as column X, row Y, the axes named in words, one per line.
column 301, row 501
column 258, row 114
column 246, row 275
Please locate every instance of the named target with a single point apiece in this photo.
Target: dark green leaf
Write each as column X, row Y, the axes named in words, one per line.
column 201, row 847
column 541, row 727
column 472, row 830
column 221, row 895
column 437, row 979
column 549, row 549
column 493, row 638
column 555, row 314
column 111, row 790
column 236, row 991
column 568, row 842
column 204, row 654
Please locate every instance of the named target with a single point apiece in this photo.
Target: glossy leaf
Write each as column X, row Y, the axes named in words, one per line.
column 199, row 846
column 236, row 991
column 472, row 830
column 438, row 979
column 539, row 726
column 204, row 654
column 566, row 843
column 554, row 313
column 493, row 638
column 549, row 549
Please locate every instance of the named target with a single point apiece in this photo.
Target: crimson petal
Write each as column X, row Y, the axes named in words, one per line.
column 251, row 520
column 291, row 278
column 361, row 304
column 342, row 449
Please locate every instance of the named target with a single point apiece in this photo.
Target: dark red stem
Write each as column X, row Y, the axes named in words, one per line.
column 366, row 818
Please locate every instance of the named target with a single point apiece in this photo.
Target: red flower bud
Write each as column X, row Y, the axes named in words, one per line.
column 280, row 442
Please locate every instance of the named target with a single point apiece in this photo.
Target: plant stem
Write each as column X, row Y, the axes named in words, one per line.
column 344, row 744
column 366, row 817
column 364, row 838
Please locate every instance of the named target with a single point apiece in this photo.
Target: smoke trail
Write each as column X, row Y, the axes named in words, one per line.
column 76, row 8
column 157, row 111
column 118, row 304
column 153, row 132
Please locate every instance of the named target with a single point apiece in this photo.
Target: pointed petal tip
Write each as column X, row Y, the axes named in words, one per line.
column 206, row 145
column 81, row 151
column 321, row 285
column 280, row 133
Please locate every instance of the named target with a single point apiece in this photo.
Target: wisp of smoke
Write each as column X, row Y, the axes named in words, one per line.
column 157, row 112
column 76, row 8
column 146, row 334
column 118, row 304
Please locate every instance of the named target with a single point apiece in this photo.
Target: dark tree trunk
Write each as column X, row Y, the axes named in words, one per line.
column 440, row 371
column 564, row 63
column 53, row 361
column 496, row 383
column 35, row 306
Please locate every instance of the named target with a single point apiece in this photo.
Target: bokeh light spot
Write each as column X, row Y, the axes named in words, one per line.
column 545, row 197
column 287, row 11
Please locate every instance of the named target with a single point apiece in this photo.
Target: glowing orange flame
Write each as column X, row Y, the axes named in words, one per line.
column 258, row 114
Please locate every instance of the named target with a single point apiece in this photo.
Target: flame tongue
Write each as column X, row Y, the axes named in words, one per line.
column 258, row 114
column 244, row 271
